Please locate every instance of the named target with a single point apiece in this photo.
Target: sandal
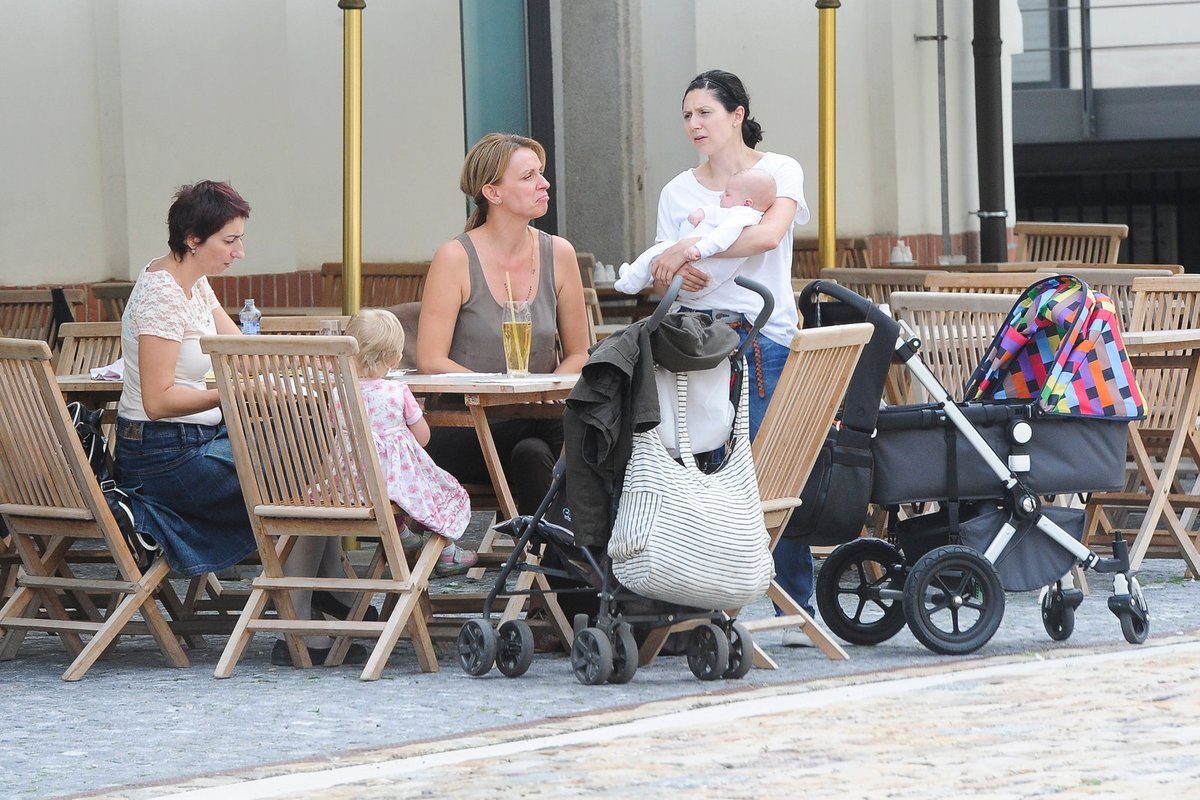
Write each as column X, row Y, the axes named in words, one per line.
column 410, row 542
column 454, row 560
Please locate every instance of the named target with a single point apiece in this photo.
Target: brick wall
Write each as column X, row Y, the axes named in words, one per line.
column 277, row 290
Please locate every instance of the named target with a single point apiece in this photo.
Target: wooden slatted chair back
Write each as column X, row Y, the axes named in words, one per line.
column 113, row 295
column 982, row 282
column 1069, row 241
column 307, row 464
column 384, row 283
column 50, row 500
column 1164, row 304
column 804, row 404
column 877, row 284
column 806, row 256
column 29, row 313
column 86, row 345
column 955, row 329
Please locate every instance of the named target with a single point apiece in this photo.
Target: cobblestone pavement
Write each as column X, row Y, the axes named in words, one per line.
column 1117, row 724
column 1080, row 715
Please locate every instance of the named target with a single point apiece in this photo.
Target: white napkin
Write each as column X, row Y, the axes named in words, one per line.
column 113, row 372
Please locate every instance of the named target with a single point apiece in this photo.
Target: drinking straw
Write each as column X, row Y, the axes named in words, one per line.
column 512, row 307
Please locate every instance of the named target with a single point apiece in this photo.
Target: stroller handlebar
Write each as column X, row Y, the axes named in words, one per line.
column 764, row 314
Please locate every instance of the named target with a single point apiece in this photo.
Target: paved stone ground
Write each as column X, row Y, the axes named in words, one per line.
column 134, row 721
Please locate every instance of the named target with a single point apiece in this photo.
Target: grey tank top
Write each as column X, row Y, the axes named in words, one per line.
column 477, row 344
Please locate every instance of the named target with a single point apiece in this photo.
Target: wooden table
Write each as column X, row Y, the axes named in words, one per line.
column 618, row 305
column 1167, row 350
column 992, row 266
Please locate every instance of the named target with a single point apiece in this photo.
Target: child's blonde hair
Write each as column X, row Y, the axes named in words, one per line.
column 380, row 339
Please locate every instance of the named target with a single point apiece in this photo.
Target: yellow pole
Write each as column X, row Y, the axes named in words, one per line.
column 827, row 132
column 352, row 155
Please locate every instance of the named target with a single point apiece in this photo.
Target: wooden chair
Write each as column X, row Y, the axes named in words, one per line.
column 595, row 317
column 1069, row 241
column 308, row 467
column 804, row 404
column 299, row 325
column 29, row 313
column 1159, row 304
column 384, row 283
column 878, row 284
column 955, row 329
column 983, row 282
column 51, row 502
column 806, row 257
column 113, row 295
column 587, row 263
column 87, row 345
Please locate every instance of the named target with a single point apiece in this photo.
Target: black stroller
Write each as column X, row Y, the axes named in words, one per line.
column 1048, row 412
column 607, row 616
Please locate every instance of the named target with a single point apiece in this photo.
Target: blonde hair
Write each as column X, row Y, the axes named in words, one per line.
column 485, row 164
column 380, row 339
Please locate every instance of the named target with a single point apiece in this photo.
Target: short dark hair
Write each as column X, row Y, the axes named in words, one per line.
column 729, row 90
column 201, row 209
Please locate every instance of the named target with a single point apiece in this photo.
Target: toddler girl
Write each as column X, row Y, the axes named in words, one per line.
column 426, row 492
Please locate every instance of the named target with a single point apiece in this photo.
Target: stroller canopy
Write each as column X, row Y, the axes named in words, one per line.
column 1061, row 347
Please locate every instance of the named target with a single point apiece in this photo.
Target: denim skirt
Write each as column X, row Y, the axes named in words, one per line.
column 185, row 493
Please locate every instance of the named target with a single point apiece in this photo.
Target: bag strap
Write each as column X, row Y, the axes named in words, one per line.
column 682, row 440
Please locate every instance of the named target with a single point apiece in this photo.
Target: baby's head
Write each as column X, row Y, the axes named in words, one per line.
column 750, row 187
column 380, row 341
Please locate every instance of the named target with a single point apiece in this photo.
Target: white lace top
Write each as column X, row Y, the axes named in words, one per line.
column 158, row 307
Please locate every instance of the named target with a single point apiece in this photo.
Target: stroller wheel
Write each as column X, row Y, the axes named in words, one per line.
column 514, row 651
column 591, row 657
column 476, row 647
column 1131, row 609
column 741, row 652
column 953, row 600
column 625, row 654
column 708, row 652
column 1058, row 616
column 859, row 591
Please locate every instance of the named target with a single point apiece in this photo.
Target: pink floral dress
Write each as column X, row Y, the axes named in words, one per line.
column 425, row 491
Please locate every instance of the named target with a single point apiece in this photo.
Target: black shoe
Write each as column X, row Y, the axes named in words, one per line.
column 329, row 605
column 280, row 657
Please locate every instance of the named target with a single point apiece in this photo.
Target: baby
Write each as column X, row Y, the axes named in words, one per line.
column 424, row 491
column 747, row 195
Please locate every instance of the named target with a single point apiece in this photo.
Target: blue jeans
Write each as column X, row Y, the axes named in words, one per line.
column 185, row 493
column 793, row 557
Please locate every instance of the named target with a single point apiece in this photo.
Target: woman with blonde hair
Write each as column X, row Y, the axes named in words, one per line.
column 501, row 255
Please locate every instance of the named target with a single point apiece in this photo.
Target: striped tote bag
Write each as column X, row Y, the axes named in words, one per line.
column 686, row 537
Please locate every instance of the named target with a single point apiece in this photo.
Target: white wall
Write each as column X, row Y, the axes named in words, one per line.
column 112, row 104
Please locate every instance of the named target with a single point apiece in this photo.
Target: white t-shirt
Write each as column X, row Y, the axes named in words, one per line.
column 158, row 307
column 773, row 269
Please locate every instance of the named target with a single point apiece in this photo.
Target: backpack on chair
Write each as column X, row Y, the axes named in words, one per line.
column 95, row 448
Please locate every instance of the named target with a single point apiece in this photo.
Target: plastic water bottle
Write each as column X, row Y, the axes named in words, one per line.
column 249, row 317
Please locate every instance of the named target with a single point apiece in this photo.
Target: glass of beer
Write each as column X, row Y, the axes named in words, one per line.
column 517, row 332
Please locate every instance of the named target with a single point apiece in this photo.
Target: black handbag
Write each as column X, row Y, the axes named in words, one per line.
column 833, row 503
column 95, row 448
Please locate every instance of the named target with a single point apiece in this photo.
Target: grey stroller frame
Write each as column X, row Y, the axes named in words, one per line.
column 604, row 648
column 948, row 588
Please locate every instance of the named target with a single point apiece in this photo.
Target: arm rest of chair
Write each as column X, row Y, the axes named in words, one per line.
column 780, row 504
